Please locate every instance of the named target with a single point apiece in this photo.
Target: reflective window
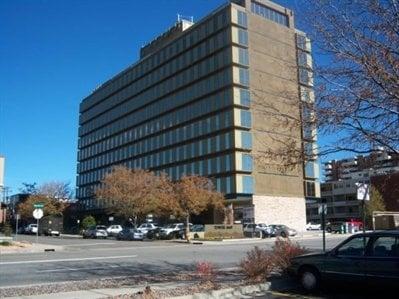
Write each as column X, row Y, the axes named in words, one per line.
column 269, row 13
column 242, row 18
column 246, row 120
column 246, row 140
column 243, row 56
column 246, row 162
column 247, row 184
column 244, row 76
column 354, row 247
column 242, row 37
column 245, row 98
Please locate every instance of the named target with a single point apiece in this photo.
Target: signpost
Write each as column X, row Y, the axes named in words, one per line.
column 363, row 194
column 323, row 212
column 16, row 226
column 37, row 214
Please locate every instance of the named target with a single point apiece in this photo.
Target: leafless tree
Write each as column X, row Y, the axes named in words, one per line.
column 357, row 73
column 56, row 189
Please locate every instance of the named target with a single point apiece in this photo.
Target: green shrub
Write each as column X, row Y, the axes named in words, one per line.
column 7, row 230
column 88, row 221
column 5, row 243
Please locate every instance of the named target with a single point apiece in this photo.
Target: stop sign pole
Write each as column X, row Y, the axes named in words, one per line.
column 37, row 214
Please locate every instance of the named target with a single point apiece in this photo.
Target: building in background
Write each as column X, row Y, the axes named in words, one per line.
column 380, row 169
column 188, row 107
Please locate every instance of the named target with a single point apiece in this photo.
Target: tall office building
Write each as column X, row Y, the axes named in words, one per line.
column 190, row 106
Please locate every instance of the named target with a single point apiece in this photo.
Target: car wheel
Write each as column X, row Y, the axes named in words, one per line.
column 283, row 235
column 329, row 230
column 310, row 279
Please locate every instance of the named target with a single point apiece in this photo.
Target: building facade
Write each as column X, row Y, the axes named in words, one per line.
column 188, row 107
column 380, row 169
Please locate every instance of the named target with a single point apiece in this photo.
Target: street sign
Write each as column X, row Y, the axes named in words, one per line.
column 38, row 205
column 322, row 207
column 37, row 213
column 363, row 191
column 110, row 219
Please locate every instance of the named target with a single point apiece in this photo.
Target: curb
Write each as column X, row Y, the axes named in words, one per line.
column 237, row 292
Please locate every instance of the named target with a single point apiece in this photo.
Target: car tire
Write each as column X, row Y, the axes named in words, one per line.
column 309, row 278
column 283, row 235
column 329, row 230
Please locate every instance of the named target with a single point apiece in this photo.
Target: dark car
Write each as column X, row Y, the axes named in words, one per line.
column 154, row 234
column 130, row 234
column 280, row 230
column 370, row 258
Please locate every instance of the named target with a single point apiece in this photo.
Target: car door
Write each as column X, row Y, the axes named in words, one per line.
column 347, row 262
column 383, row 260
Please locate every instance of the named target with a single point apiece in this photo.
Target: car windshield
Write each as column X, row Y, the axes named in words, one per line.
column 101, row 227
column 33, row 225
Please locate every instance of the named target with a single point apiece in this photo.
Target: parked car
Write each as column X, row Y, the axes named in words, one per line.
column 99, row 231
column 51, row 232
column 260, row 229
column 154, row 234
column 31, row 229
column 370, row 258
column 145, row 227
column 114, row 230
column 313, row 226
column 130, row 234
column 171, row 231
column 280, row 230
column 334, row 227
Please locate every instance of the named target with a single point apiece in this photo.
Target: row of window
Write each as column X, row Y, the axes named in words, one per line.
column 189, row 132
column 184, row 78
column 195, row 91
column 159, row 125
column 187, row 40
column 180, row 153
column 269, row 13
column 187, row 59
column 210, row 166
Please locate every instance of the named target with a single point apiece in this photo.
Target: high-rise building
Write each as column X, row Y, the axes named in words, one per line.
column 192, row 105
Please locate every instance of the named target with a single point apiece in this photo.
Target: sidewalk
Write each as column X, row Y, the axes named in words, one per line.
column 25, row 247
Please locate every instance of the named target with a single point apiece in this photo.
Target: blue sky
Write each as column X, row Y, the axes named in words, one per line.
column 54, row 53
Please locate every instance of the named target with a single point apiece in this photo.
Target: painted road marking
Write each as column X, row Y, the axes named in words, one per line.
column 68, row 260
column 92, row 244
column 79, row 269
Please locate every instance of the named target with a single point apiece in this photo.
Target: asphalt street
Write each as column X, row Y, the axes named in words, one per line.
column 94, row 259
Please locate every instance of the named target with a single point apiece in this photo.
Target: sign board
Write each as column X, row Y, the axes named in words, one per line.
column 321, row 208
column 110, row 218
column 37, row 213
column 38, row 205
column 363, row 191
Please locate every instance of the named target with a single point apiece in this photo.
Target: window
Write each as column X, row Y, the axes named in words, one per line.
column 245, row 118
column 247, row 184
column 242, row 18
column 310, row 169
column 242, row 37
column 301, row 42
column 245, row 98
column 269, row 13
column 246, row 162
column 386, row 247
column 244, row 76
column 246, row 140
column 302, row 59
column 305, row 77
column 243, row 56
column 310, row 189
column 354, row 247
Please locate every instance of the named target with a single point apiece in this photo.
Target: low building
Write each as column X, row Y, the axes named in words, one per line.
column 380, row 169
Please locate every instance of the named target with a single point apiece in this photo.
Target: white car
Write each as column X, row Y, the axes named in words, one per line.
column 313, row 226
column 31, row 229
column 145, row 227
column 171, row 230
column 114, row 230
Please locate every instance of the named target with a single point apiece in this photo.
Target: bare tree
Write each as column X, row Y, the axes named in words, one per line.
column 134, row 193
column 357, row 73
column 56, row 189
